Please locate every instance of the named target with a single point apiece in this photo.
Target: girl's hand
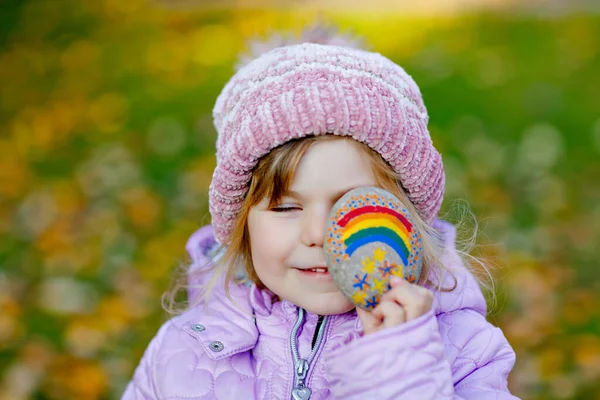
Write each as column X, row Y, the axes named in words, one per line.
column 404, row 302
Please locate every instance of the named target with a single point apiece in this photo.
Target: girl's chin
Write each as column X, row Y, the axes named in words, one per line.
column 328, row 306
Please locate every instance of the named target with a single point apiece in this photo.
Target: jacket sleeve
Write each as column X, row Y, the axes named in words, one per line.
column 143, row 384
column 409, row 361
column 405, row 361
column 482, row 356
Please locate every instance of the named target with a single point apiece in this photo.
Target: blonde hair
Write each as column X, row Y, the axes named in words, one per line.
column 271, row 179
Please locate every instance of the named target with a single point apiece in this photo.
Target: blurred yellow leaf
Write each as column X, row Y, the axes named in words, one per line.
column 142, row 207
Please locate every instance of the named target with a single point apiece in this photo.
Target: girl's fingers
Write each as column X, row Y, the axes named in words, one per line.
column 415, row 299
column 370, row 320
column 404, row 302
column 392, row 312
column 376, row 312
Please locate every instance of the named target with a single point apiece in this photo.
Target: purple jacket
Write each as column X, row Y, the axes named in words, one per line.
column 246, row 350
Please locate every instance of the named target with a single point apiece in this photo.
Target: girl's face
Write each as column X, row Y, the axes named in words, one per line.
column 286, row 240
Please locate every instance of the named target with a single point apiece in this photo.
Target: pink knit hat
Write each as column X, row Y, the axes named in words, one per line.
column 313, row 89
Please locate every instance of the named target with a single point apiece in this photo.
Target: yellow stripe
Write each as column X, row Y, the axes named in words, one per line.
column 376, row 223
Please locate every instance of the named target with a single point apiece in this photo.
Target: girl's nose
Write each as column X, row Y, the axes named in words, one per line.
column 313, row 229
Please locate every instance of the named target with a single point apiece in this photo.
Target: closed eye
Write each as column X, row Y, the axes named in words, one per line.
column 285, row 209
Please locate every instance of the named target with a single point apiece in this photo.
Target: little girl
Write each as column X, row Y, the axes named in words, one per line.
column 298, row 127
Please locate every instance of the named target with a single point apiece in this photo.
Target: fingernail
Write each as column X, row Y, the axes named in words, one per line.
column 395, row 279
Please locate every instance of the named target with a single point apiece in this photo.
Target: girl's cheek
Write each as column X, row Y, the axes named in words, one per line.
column 282, row 229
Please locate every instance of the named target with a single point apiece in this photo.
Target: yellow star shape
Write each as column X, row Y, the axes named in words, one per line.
column 368, row 265
column 398, row 272
column 380, row 285
column 359, row 297
column 379, row 255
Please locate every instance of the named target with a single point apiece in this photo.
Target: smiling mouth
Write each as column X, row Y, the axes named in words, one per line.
column 318, row 270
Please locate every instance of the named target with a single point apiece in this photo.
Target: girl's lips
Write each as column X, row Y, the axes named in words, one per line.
column 317, row 269
column 312, row 273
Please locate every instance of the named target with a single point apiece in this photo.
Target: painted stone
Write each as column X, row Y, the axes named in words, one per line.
column 370, row 237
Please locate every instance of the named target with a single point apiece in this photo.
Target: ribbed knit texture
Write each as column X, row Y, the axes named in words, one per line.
column 311, row 89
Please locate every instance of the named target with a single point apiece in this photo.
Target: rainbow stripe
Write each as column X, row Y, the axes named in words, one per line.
column 370, row 224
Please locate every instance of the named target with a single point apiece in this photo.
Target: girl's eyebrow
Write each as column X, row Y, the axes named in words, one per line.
column 291, row 193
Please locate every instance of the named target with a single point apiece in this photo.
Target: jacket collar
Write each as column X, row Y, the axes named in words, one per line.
column 223, row 327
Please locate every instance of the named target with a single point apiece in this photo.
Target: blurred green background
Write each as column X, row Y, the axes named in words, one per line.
column 107, row 151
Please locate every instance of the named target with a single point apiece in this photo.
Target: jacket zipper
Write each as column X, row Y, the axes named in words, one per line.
column 301, row 366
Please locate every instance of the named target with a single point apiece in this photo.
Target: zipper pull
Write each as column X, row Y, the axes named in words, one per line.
column 301, row 392
column 301, row 370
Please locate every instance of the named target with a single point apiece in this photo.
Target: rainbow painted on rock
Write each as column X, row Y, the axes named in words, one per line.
column 376, row 224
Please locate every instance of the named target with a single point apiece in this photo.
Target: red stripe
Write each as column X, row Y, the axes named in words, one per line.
column 374, row 210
